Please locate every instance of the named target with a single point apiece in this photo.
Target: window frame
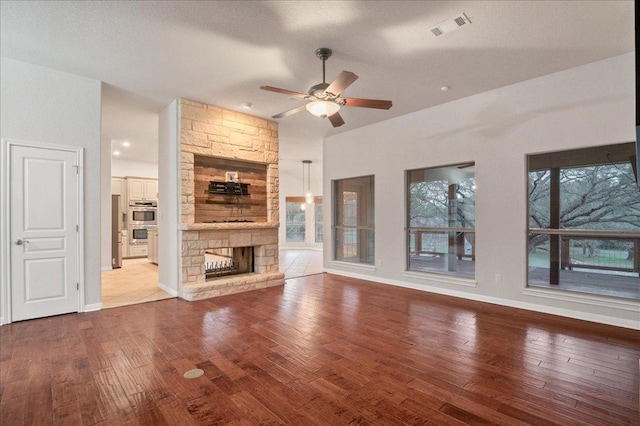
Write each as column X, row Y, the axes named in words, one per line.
column 338, row 226
column 298, row 200
column 555, row 162
column 451, row 231
column 318, row 202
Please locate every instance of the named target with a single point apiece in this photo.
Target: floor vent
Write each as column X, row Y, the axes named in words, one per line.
column 193, row 374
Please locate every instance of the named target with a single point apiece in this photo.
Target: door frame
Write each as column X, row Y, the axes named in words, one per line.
column 5, row 220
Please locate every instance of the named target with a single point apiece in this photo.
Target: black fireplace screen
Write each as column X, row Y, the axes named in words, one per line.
column 226, row 261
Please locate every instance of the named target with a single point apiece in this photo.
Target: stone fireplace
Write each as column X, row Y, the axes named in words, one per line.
column 216, row 144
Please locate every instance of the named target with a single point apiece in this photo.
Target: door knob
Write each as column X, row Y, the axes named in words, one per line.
column 19, row 242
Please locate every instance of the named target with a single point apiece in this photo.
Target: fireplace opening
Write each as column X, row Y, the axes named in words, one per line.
column 221, row 262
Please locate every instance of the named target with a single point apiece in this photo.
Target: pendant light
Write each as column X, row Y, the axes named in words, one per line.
column 306, row 184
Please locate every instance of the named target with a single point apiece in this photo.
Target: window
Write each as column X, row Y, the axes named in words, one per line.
column 318, row 219
column 354, row 220
column 441, row 219
column 584, row 221
column 295, row 220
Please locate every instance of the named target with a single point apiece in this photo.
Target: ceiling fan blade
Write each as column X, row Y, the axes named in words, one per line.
column 341, row 82
column 336, row 119
column 367, row 103
column 290, row 112
column 284, row 91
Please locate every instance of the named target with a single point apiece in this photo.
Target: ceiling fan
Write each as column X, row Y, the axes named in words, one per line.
column 325, row 99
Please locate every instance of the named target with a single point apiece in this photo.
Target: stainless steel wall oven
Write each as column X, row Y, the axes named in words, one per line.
column 143, row 213
column 138, row 234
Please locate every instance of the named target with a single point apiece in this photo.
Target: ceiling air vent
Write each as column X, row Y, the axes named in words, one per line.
column 450, row 24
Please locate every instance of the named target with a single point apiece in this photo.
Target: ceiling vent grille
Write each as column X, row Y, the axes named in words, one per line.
column 450, row 24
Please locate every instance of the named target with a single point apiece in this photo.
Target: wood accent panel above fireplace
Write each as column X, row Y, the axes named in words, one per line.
column 221, row 207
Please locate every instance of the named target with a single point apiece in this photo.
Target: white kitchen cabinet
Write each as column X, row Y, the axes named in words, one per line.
column 142, row 189
column 117, row 186
column 150, row 187
column 153, row 246
column 125, row 243
column 138, row 250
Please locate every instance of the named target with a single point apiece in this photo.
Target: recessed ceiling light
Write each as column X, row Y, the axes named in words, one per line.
column 444, row 88
column 246, row 105
column 116, row 153
column 126, row 143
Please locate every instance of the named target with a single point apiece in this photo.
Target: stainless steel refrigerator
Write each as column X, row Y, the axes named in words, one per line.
column 116, row 232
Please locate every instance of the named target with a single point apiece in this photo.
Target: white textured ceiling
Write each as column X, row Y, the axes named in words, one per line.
column 221, row 52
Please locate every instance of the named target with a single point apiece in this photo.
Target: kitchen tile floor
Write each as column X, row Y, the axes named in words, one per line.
column 297, row 263
column 137, row 280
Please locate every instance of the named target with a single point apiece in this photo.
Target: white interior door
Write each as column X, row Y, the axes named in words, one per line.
column 43, row 205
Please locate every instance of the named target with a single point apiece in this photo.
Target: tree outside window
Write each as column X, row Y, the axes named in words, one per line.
column 295, row 218
column 584, row 221
column 441, row 219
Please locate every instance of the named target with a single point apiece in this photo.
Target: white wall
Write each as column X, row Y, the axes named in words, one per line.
column 168, row 198
column 122, row 168
column 105, row 202
column 585, row 106
column 43, row 105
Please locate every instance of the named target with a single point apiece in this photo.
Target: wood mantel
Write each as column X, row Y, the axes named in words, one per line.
column 226, row 226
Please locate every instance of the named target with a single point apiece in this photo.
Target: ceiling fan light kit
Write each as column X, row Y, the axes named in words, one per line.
column 324, row 99
column 322, row 108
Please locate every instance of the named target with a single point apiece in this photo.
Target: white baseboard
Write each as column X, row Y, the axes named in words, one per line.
column 106, row 268
column 171, row 291
column 92, row 307
column 569, row 313
column 281, row 247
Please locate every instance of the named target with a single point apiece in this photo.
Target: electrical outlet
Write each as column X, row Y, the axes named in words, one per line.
column 379, row 262
column 498, row 278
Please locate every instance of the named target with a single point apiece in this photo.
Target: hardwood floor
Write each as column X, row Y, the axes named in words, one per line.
column 322, row 350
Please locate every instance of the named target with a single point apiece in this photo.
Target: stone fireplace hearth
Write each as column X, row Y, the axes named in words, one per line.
column 213, row 143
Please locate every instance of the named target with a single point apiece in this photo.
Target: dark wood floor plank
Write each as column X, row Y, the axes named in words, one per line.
column 68, row 414
column 321, row 350
column 90, row 403
column 12, row 411
column 39, row 397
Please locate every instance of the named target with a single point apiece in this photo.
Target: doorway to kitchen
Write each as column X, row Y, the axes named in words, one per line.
column 130, row 141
